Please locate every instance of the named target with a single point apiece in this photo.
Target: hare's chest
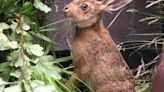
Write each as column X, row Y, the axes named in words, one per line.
column 90, row 51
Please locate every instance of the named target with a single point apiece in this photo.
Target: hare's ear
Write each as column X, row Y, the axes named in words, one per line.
column 114, row 5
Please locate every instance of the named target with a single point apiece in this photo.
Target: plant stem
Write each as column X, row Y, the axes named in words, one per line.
column 21, row 20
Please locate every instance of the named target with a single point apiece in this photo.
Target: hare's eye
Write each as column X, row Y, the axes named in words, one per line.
column 84, row 6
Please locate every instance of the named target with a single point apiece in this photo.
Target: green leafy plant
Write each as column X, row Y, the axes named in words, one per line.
column 24, row 64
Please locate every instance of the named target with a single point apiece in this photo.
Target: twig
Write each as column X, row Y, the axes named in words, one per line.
column 153, row 3
column 115, row 18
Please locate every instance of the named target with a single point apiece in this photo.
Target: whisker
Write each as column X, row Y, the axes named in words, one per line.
column 56, row 22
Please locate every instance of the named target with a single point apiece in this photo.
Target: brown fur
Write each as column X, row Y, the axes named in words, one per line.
column 96, row 57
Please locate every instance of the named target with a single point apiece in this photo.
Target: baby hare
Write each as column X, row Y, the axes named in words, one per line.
column 96, row 58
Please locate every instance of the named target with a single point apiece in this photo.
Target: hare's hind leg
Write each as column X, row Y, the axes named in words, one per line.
column 114, row 87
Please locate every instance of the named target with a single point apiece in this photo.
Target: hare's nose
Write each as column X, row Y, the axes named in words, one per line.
column 66, row 9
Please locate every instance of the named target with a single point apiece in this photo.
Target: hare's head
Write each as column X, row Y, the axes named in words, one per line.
column 86, row 13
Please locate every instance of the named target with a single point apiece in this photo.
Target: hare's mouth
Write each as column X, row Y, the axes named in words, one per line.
column 68, row 14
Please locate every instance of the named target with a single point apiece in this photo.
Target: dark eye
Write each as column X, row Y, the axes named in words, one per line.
column 84, row 6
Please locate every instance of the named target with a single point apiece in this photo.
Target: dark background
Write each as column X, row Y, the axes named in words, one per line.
column 121, row 30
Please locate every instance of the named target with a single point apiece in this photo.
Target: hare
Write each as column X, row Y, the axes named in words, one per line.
column 96, row 58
